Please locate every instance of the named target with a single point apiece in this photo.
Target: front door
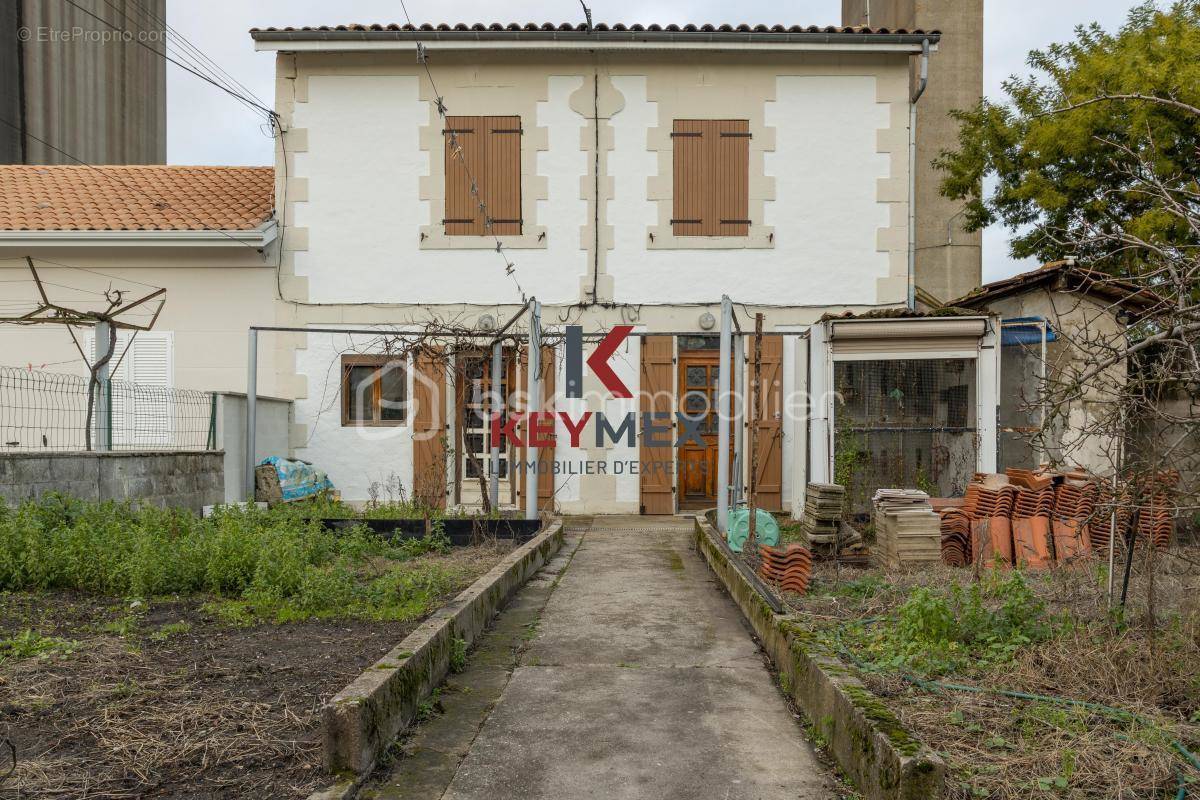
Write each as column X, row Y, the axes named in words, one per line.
column 698, row 370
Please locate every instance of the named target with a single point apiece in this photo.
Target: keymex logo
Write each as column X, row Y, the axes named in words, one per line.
column 656, row 426
column 597, row 361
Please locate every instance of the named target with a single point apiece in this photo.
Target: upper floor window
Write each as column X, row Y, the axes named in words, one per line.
column 374, row 390
column 486, row 150
column 711, row 193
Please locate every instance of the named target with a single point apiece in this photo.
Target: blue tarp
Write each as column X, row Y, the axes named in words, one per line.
column 297, row 479
column 1024, row 330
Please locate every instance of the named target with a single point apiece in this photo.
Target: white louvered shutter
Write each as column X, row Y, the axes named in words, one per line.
column 142, row 411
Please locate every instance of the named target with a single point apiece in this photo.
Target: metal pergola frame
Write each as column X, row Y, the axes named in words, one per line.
column 732, row 358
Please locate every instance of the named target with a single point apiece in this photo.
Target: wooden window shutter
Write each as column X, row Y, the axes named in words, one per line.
column 462, row 209
column 711, row 175
column 502, row 185
column 689, row 178
column 730, row 149
column 491, row 148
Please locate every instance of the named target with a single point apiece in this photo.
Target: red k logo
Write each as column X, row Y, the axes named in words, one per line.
column 597, row 361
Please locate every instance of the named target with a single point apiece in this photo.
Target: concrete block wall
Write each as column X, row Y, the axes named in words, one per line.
column 188, row 480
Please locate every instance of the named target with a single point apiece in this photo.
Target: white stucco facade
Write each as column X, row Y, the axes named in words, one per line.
column 363, row 185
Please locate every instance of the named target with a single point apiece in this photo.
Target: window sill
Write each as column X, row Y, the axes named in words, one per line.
column 761, row 237
column 389, row 424
column 534, row 238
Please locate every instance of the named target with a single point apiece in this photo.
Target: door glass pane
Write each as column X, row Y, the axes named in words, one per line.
column 391, row 391
column 696, row 376
column 359, row 394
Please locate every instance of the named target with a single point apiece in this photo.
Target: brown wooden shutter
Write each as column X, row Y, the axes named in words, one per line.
column 711, row 177
column 658, row 463
column 462, row 209
column 730, row 148
column 770, row 429
column 491, row 150
column 502, row 184
column 690, row 187
column 428, row 423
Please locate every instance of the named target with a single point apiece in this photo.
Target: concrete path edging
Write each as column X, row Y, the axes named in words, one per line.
column 871, row 745
column 362, row 720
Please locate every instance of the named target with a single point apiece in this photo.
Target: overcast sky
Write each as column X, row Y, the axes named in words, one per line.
column 205, row 126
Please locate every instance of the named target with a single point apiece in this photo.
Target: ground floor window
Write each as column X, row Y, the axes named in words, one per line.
column 374, row 390
column 904, row 423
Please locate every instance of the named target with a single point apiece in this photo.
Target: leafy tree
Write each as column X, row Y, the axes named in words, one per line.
column 1075, row 146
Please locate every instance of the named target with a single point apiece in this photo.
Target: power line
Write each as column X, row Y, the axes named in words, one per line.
column 456, row 150
column 192, row 62
column 85, row 269
column 268, row 111
column 189, row 52
column 192, row 47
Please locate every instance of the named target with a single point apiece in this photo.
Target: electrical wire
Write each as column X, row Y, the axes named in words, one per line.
column 457, row 151
column 188, row 52
column 268, row 111
column 200, row 54
column 82, row 269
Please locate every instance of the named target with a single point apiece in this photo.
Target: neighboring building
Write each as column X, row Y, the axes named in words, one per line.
column 205, row 234
column 948, row 258
column 72, row 81
column 635, row 175
column 1056, row 321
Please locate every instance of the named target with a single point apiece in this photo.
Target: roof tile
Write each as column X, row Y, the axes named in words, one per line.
column 600, row 26
column 141, row 197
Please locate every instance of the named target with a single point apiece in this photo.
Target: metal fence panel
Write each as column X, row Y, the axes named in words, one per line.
column 48, row 411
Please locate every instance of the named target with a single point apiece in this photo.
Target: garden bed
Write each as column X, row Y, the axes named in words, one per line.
column 149, row 653
column 1098, row 702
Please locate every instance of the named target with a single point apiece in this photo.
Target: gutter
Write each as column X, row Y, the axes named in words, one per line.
column 296, row 40
column 912, row 176
column 257, row 238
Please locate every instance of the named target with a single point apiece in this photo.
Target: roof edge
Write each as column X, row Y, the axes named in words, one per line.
column 258, row 237
column 380, row 36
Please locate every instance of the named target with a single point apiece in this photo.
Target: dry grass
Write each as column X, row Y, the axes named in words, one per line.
column 1146, row 662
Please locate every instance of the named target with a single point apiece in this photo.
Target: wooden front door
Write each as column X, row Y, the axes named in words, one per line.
column 698, row 370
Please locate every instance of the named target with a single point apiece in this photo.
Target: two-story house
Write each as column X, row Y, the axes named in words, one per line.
column 633, row 175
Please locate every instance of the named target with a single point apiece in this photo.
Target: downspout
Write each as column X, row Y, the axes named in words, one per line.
column 596, row 179
column 912, row 176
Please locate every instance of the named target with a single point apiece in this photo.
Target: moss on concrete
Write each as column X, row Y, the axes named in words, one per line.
column 883, row 719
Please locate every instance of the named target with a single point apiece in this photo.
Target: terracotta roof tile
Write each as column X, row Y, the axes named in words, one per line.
column 515, row 27
column 153, row 197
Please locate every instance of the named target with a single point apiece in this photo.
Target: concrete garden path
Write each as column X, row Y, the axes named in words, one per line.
column 619, row 671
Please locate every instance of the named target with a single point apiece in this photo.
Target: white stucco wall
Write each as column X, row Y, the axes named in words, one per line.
column 826, row 217
column 363, row 213
column 354, row 457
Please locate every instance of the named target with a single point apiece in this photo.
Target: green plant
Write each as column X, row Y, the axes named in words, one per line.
column 934, row 632
column 925, row 483
column 31, row 644
column 458, row 655
column 279, row 563
column 170, row 629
